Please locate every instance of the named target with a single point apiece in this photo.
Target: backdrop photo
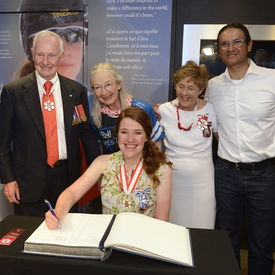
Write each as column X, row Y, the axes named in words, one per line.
column 133, row 35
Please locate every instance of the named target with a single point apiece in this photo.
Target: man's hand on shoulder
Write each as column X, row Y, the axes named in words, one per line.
column 157, row 113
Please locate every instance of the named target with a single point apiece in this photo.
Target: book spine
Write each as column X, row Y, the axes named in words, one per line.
column 106, row 234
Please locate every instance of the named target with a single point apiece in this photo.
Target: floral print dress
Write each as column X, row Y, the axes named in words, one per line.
column 141, row 200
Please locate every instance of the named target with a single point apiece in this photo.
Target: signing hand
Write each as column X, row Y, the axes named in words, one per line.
column 51, row 220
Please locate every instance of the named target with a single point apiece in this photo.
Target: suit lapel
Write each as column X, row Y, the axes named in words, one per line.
column 31, row 97
column 68, row 98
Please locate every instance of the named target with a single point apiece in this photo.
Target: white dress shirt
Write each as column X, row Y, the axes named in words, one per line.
column 59, row 111
column 246, row 113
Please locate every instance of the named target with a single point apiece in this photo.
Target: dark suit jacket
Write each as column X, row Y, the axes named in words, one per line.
column 21, row 123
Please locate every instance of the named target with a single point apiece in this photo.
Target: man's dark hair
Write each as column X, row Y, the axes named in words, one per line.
column 235, row 25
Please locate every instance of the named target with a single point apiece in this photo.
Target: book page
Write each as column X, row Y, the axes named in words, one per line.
column 160, row 239
column 77, row 230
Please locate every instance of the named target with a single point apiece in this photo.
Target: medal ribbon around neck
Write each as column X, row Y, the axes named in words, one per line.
column 129, row 187
column 52, row 87
column 48, row 99
column 49, row 104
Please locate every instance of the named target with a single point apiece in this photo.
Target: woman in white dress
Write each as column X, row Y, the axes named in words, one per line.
column 189, row 124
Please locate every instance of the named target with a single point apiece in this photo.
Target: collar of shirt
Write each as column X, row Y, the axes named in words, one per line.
column 252, row 69
column 41, row 81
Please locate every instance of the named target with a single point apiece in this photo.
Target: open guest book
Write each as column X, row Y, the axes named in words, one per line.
column 94, row 236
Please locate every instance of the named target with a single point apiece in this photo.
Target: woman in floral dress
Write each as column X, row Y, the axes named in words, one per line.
column 135, row 179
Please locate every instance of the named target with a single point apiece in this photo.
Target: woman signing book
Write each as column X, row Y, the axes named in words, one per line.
column 135, row 179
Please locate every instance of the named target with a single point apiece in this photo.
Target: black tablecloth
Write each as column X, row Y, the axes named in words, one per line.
column 212, row 250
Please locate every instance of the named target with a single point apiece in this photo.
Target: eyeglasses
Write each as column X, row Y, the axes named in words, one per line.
column 108, row 86
column 72, row 34
column 238, row 43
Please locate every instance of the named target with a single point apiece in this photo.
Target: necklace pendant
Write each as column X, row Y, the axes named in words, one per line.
column 178, row 116
column 184, row 129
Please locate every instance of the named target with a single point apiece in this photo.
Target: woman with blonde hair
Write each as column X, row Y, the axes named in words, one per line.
column 188, row 123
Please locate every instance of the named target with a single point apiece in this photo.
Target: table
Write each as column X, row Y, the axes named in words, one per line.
column 213, row 255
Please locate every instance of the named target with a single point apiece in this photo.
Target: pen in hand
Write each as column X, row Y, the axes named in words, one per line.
column 51, row 209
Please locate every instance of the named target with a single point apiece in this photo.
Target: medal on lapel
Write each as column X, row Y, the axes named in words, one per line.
column 204, row 125
column 79, row 114
column 143, row 198
column 75, row 119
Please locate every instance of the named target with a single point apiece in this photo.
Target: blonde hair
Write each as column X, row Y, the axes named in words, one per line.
column 123, row 94
column 198, row 74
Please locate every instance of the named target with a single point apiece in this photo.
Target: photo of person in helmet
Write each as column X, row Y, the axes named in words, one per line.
column 67, row 18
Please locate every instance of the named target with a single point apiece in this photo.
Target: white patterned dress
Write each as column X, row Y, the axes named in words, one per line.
column 193, row 197
column 141, row 200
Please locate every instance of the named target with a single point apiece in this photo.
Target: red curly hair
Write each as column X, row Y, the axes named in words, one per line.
column 152, row 156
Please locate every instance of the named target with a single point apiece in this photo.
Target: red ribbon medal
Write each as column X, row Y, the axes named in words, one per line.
column 128, row 187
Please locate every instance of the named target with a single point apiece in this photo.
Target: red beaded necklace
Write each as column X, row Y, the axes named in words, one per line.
column 178, row 115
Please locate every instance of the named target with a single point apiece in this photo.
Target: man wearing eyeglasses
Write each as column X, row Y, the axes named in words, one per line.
column 244, row 100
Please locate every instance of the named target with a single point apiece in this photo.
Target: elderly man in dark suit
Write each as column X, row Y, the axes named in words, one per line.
column 30, row 170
